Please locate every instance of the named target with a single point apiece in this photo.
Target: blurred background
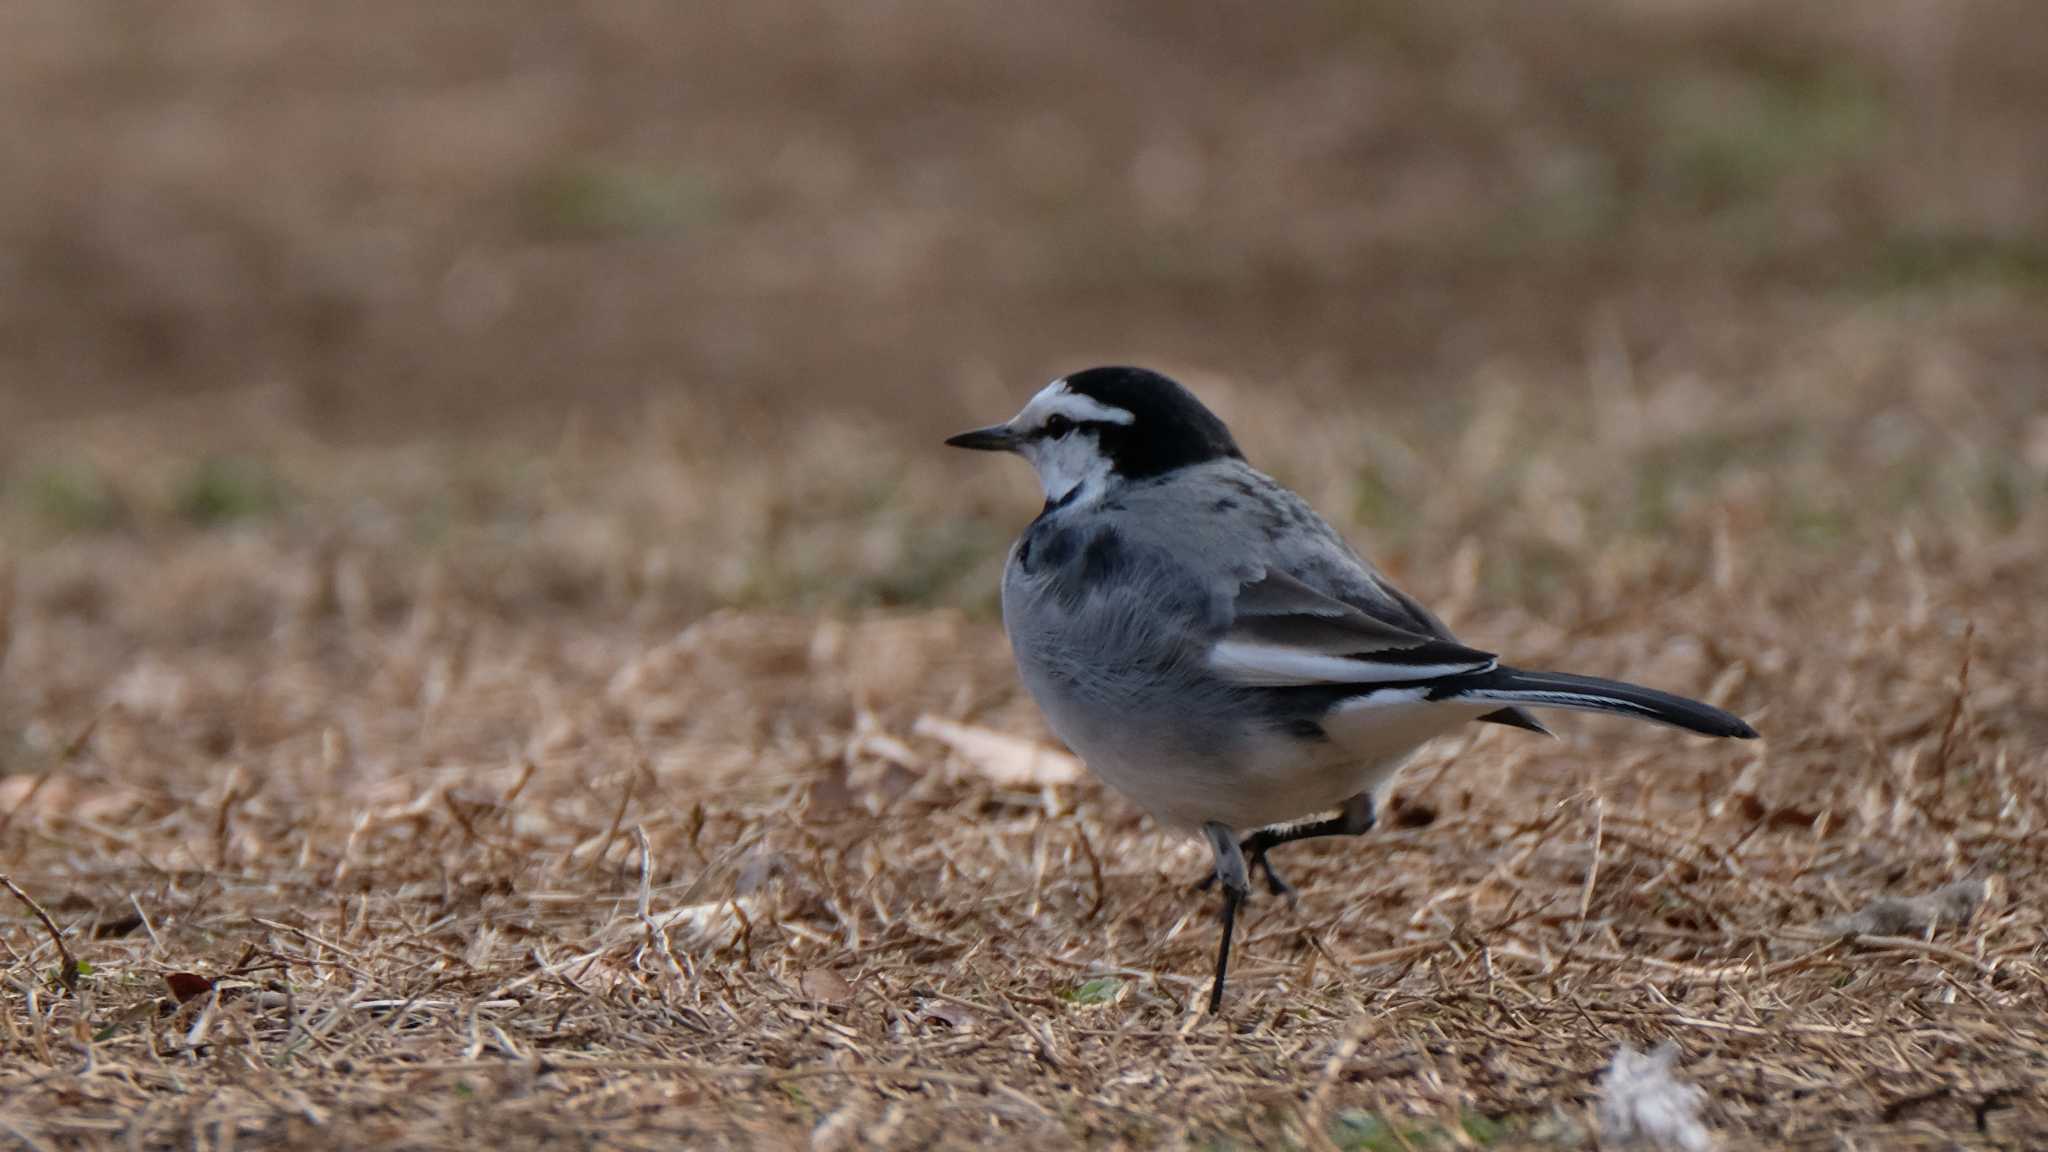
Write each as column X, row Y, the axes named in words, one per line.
column 670, row 303
column 466, row 462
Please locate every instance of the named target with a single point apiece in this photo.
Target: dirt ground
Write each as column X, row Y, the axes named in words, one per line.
column 491, row 648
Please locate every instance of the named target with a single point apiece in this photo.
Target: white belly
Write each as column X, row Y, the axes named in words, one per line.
column 1393, row 724
column 1281, row 778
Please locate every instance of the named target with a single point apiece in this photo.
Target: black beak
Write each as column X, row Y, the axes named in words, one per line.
column 994, row 438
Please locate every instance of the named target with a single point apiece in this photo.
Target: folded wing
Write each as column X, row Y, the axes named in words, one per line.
column 1285, row 633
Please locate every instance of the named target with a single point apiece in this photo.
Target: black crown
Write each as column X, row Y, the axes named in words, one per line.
column 1170, row 429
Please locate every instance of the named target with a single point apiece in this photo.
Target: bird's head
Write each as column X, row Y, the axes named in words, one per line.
column 1092, row 431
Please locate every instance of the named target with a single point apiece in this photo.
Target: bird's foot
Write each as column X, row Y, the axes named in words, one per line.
column 1255, row 858
column 1275, row 883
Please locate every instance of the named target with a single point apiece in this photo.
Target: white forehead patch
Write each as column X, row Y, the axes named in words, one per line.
column 1071, row 467
column 1057, row 400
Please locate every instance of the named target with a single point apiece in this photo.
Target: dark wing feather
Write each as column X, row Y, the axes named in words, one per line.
column 1284, row 632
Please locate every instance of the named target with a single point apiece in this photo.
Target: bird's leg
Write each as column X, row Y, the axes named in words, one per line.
column 1236, row 886
column 1356, row 820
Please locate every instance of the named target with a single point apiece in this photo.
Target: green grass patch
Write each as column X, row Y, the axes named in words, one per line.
column 1355, row 1130
column 74, row 496
column 1728, row 138
column 1925, row 261
column 935, row 566
column 1380, row 506
column 596, row 202
column 1100, row 990
column 224, row 489
column 1670, row 475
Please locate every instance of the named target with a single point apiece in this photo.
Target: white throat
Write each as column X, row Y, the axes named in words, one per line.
column 1072, row 470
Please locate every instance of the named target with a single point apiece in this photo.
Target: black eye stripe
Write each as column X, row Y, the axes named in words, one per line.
column 1057, row 425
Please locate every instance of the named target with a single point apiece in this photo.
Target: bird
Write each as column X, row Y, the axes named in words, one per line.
column 1211, row 648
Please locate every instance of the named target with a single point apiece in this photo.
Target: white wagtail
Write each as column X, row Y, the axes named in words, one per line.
column 1212, row 649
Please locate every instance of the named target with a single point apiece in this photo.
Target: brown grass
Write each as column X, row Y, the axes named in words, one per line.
column 413, row 747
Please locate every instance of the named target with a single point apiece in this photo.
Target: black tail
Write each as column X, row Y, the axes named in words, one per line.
column 1591, row 694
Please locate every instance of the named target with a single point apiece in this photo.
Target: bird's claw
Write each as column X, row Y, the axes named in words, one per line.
column 1275, row 884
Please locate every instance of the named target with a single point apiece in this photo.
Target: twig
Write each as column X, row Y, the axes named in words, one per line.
column 35, row 788
column 230, row 796
column 468, row 826
column 67, row 974
column 1317, row 1112
column 154, row 941
column 309, row 938
column 759, row 1075
column 76, row 745
column 27, row 1141
column 527, row 768
column 604, row 845
column 1922, row 947
column 1954, row 725
column 1592, row 870
column 6, row 606
column 646, row 872
column 1094, row 871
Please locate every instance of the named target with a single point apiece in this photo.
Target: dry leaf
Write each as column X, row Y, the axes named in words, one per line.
column 187, row 985
column 1003, row 758
column 1405, row 813
column 96, row 800
column 825, row 985
column 116, row 925
column 711, row 924
column 832, row 794
column 958, row 1017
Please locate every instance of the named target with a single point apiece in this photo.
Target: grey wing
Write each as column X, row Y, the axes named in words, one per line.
column 1321, row 558
column 1330, row 563
column 1284, row 633
column 1290, row 604
column 1361, row 586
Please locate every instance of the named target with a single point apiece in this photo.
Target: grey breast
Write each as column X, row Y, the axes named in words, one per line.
column 1111, row 626
column 1112, row 611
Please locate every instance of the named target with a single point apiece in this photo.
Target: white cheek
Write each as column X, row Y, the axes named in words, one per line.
column 1067, row 463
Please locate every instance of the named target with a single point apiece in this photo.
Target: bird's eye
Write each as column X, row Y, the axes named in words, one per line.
column 1057, row 426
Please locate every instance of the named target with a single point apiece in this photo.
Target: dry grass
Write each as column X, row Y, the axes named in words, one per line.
column 395, row 784
column 464, row 837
